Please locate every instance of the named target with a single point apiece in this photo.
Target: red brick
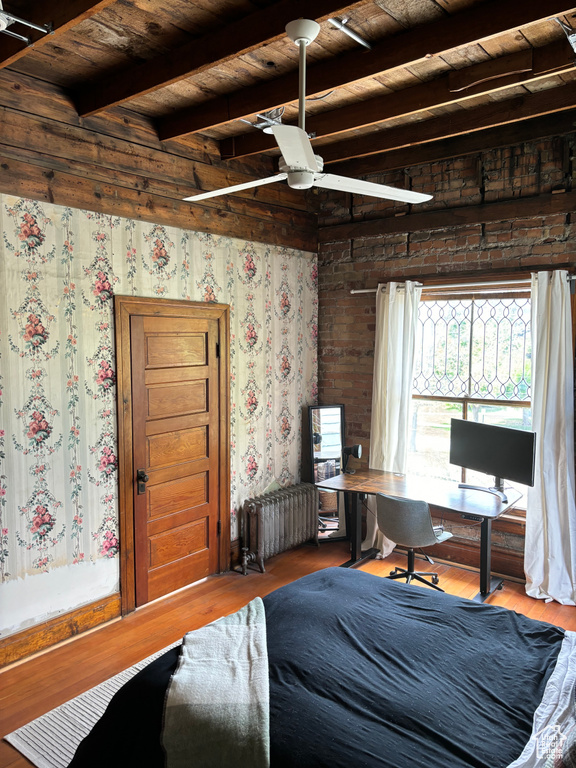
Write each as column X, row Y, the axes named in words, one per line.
column 346, row 346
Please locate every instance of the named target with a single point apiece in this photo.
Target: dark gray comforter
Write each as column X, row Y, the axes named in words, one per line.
column 369, row 672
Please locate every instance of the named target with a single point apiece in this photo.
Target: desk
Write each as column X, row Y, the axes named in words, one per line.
column 442, row 494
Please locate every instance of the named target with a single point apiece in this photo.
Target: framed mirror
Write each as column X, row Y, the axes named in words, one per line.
column 326, row 424
column 326, row 434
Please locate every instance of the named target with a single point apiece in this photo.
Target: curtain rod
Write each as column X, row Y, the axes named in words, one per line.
column 443, row 286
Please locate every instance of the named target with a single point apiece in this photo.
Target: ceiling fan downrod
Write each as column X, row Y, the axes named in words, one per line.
column 298, row 164
column 302, row 32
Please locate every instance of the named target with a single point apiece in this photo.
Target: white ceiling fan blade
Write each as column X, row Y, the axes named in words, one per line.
column 361, row 187
column 236, row 187
column 295, row 147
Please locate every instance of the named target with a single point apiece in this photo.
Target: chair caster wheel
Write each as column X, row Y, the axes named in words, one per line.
column 392, row 573
column 435, row 579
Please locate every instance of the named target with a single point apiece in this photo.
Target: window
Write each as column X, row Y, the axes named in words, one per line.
column 472, row 361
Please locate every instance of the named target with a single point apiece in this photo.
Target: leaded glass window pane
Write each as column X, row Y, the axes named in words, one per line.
column 476, row 348
column 472, row 361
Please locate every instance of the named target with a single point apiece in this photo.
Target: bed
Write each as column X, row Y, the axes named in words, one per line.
column 365, row 671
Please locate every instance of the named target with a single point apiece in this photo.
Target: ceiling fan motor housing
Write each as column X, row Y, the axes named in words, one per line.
column 301, row 179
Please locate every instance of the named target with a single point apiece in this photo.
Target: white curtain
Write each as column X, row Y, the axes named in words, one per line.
column 396, row 318
column 550, row 551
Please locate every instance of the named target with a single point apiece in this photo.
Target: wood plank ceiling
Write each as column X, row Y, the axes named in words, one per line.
column 201, row 72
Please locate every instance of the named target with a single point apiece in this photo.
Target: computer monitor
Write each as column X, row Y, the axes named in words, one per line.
column 499, row 451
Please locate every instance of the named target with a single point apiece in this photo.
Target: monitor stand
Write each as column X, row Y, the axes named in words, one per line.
column 497, row 489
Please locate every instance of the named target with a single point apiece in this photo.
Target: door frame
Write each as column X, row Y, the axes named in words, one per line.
column 124, row 308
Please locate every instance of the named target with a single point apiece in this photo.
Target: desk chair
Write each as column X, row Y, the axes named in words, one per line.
column 409, row 524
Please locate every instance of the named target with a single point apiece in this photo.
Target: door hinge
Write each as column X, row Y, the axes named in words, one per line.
column 219, row 527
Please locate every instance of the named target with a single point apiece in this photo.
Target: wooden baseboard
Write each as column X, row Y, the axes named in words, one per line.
column 42, row 636
column 38, row 638
column 235, row 554
column 461, row 550
column 505, row 562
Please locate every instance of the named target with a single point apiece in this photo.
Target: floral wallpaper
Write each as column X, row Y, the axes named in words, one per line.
column 60, row 269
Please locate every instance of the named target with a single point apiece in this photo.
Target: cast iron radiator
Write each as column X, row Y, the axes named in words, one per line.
column 277, row 521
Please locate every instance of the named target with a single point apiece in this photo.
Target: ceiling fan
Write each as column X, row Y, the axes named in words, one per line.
column 298, row 164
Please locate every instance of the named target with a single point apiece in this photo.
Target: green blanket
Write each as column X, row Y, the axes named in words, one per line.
column 217, row 704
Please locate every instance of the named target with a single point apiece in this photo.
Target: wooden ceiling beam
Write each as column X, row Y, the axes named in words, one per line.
column 62, row 17
column 496, row 113
column 233, row 40
column 466, row 215
column 471, row 143
column 483, row 21
column 553, row 58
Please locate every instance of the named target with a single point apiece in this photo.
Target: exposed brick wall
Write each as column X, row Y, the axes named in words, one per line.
column 347, row 322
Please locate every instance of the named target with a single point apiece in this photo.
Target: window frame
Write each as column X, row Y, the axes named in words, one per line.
column 506, row 289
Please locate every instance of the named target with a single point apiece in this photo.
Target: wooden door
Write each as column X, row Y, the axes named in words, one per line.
column 176, row 443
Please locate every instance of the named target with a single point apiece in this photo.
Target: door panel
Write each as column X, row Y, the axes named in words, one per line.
column 179, row 542
column 179, row 398
column 176, row 442
column 176, row 572
column 167, row 498
column 169, row 350
column 175, row 342
column 177, row 447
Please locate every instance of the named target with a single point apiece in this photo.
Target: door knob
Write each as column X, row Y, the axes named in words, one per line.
column 141, row 478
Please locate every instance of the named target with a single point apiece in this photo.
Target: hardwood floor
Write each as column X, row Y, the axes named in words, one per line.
column 32, row 687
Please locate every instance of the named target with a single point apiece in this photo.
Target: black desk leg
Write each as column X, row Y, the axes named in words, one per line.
column 356, row 526
column 488, row 583
column 353, row 502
